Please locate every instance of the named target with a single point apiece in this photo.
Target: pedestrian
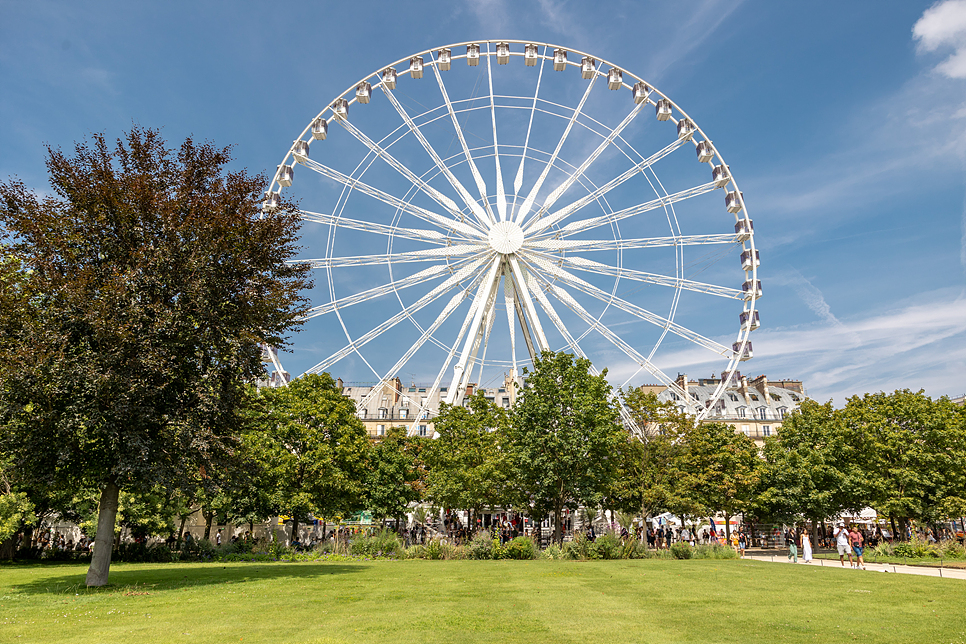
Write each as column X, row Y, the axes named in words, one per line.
column 842, row 544
column 218, row 538
column 742, row 542
column 790, row 542
column 856, row 541
column 806, row 547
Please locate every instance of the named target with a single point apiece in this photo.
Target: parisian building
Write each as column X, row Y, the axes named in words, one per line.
column 755, row 407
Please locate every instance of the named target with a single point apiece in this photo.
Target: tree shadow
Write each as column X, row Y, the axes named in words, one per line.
column 139, row 579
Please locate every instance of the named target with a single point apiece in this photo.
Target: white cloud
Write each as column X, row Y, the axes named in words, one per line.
column 808, row 293
column 943, row 25
column 921, row 344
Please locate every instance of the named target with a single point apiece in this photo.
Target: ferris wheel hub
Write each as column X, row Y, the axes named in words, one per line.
column 506, row 237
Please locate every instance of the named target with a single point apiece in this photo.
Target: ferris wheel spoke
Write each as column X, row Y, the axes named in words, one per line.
column 575, row 282
column 585, row 245
column 571, row 208
column 485, row 295
column 477, row 177
column 438, row 292
column 385, row 197
column 467, row 320
column 603, row 220
column 527, row 312
column 518, row 180
column 508, row 300
column 422, row 276
column 652, row 278
column 538, row 221
column 428, row 255
column 415, row 234
column 531, row 197
column 444, row 315
column 427, row 189
column 616, row 340
column 500, row 190
column 551, row 312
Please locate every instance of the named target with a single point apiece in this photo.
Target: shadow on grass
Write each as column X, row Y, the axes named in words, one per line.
column 136, row 579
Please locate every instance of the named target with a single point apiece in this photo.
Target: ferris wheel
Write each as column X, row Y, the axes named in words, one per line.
column 472, row 205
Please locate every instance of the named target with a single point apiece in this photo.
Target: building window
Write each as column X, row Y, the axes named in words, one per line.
column 695, row 396
column 776, row 397
column 754, row 396
column 506, row 403
column 742, row 412
column 782, row 412
column 674, row 396
column 746, row 430
column 425, row 414
column 680, row 409
column 733, row 397
column 422, row 430
column 766, row 430
column 403, row 412
column 380, row 430
column 383, row 412
column 404, row 402
column 363, row 413
column 763, row 413
column 422, row 402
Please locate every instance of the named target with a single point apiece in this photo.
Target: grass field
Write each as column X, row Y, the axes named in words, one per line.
column 478, row 601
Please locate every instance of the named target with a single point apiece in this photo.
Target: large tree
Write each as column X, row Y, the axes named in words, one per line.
column 646, row 482
column 910, row 451
column 718, row 470
column 563, row 436
column 393, row 481
column 313, row 450
column 466, row 468
column 154, row 278
column 809, row 469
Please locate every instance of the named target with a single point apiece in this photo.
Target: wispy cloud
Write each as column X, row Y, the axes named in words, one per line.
column 808, row 293
column 916, row 345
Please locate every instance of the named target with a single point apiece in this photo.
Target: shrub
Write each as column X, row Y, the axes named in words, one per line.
column 607, row 546
column 552, row 552
column 580, row 548
column 714, row 551
column 481, row 546
column 381, row 543
column 519, row 548
column 434, row 549
column 883, row 549
column 952, row 549
column 681, row 550
column 416, row 552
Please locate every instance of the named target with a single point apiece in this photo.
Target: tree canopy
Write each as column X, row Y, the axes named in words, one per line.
column 152, row 278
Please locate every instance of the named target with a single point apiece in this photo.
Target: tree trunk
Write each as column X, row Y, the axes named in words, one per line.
column 727, row 529
column 814, row 533
column 184, row 520
column 103, row 542
column 557, row 518
column 892, row 522
column 209, row 517
column 295, row 530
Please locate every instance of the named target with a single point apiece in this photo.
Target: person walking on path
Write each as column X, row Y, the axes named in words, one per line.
column 806, row 547
column 856, row 541
column 790, row 542
column 842, row 544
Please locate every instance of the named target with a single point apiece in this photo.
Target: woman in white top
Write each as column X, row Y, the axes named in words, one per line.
column 806, row 547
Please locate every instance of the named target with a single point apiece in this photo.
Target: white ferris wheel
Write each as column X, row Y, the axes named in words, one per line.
column 472, row 205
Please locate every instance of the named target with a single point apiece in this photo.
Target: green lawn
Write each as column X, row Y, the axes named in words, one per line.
column 479, row 601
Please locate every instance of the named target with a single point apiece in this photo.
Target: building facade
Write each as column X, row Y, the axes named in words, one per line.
column 755, row 407
column 392, row 404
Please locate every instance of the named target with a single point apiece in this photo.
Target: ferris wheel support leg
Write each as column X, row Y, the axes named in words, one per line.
column 529, row 310
column 487, row 291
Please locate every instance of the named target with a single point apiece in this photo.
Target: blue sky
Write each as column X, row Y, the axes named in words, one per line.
column 842, row 122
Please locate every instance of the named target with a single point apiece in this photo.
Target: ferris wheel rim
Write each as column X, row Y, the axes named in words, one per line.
column 744, row 333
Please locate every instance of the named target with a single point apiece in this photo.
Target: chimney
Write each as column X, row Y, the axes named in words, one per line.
column 339, row 383
column 761, row 384
column 397, row 385
column 744, row 389
column 682, row 382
